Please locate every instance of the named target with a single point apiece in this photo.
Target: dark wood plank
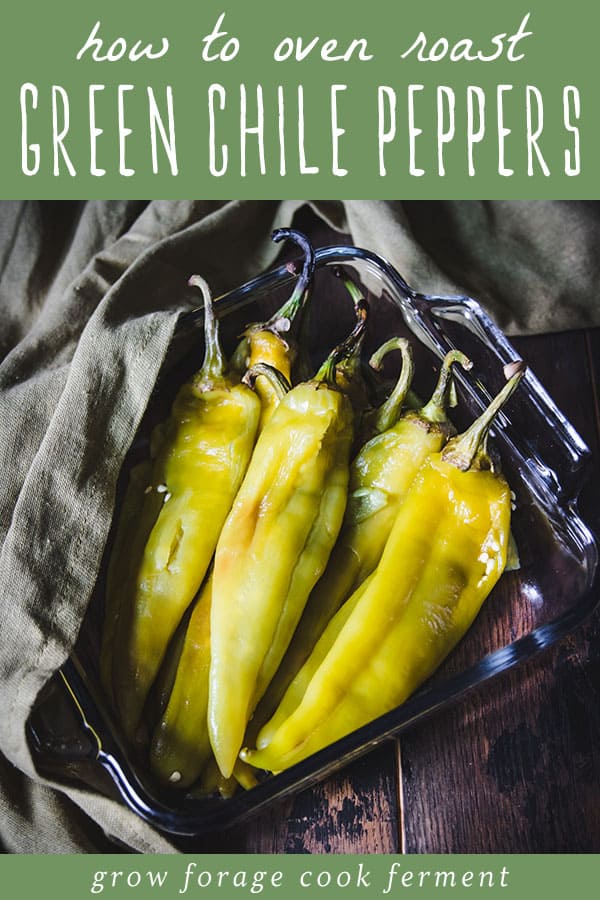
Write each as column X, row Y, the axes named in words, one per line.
column 516, row 766
column 354, row 811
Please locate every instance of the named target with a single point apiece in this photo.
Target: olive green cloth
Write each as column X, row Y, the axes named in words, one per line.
column 90, row 293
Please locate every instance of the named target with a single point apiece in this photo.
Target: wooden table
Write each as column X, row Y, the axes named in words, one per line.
column 514, row 767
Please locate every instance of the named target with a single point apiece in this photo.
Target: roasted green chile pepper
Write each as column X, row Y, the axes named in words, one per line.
column 180, row 748
column 204, row 450
column 380, row 476
column 445, row 553
column 275, row 545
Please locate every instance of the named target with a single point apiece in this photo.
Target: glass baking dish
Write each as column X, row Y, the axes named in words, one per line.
column 71, row 731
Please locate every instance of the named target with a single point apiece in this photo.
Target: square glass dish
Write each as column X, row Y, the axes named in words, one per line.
column 72, row 731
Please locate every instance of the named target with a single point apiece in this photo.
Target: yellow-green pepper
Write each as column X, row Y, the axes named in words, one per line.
column 180, row 747
column 204, row 451
column 380, row 476
column 445, row 553
column 275, row 545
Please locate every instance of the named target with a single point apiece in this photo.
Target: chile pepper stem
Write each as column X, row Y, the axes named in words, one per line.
column 467, row 450
column 347, row 348
column 350, row 286
column 214, row 361
column 282, row 320
column 278, row 381
column 349, row 366
column 388, row 412
column 435, row 410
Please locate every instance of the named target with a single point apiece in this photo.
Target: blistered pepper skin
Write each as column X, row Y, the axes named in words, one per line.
column 446, row 551
column 420, row 602
column 180, row 747
column 380, row 476
column 204, row 450
column 273, row 548
column 207, row 449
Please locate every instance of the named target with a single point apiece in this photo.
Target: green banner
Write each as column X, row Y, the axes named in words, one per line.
column 294, row 877
column 427, row 100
